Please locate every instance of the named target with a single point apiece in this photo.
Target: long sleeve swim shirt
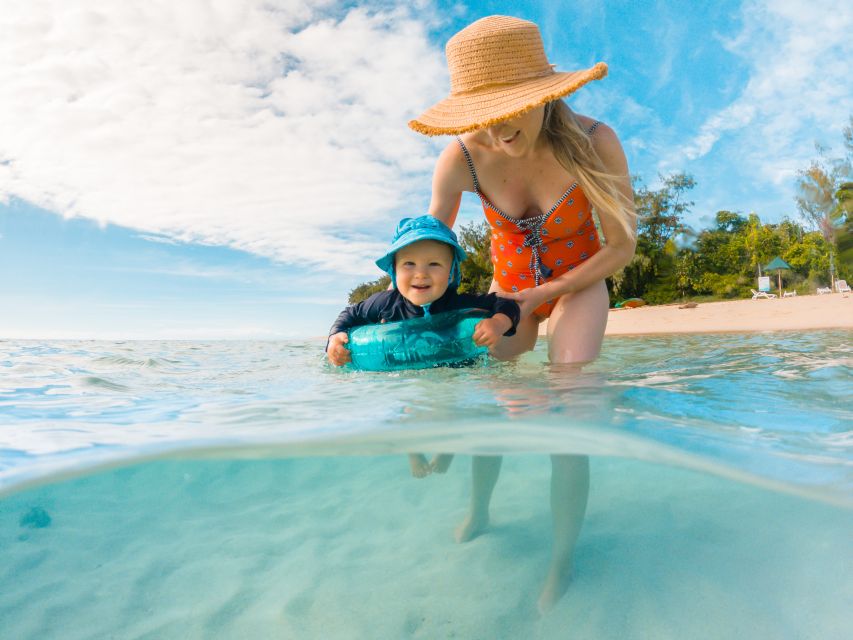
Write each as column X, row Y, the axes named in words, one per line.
column 391, row 306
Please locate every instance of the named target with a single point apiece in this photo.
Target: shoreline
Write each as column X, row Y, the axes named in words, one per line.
column 800, row 313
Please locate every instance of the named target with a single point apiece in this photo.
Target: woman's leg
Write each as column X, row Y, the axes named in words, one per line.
column 524, row 340
column 569, row 493
column 576, row 330
column 576, row 327
column 485, row 469
column 484, row 476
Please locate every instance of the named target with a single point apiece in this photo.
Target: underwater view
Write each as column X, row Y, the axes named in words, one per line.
column 249, row 489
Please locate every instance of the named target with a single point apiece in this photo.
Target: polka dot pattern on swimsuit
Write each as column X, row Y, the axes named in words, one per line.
column 527, row 252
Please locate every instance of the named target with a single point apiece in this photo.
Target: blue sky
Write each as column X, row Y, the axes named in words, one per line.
column 211, row 169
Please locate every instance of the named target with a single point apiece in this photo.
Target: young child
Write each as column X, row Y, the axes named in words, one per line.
column 423, row 262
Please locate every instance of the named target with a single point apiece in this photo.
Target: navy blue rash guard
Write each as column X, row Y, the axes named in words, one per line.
column 391, row 306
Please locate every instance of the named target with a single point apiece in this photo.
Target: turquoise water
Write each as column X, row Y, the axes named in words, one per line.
column 229, row 490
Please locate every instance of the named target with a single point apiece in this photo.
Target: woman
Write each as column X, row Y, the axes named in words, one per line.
column 538, row 169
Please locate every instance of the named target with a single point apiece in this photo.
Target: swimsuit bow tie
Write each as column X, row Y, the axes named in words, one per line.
column 533, row 239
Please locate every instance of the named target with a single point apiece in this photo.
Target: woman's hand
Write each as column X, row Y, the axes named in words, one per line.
column 528, row 299
column 489, row 331
column 336, row 352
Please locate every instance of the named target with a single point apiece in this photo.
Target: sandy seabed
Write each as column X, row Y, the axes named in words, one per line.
column 354, row 548
column 799, row 313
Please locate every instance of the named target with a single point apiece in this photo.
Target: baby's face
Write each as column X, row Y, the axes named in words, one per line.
column 423, row 270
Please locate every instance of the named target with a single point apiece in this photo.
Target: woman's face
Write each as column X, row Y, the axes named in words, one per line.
column 517, row 136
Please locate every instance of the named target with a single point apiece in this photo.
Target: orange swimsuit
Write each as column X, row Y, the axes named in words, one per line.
column 529, row 251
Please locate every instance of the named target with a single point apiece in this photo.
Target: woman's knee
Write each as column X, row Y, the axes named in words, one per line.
column 576, row 327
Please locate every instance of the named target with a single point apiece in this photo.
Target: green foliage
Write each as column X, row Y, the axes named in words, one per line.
column 722, row 285
column 475, row 238
column 367, row 289
column 729, row 222
column 825, row 201
column 728, row 257
column 659, row 222
column 811, row 253
column 660, row 212
column 844, row 243
column 823, row 193
column 724, row 260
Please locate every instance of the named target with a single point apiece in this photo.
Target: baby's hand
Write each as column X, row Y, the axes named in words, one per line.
column 336, row 352
column 489, row 331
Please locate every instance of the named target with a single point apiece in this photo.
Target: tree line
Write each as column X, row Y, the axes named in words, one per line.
column 674, row 262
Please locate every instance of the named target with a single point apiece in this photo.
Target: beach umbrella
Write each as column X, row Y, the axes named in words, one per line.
column 778, row 264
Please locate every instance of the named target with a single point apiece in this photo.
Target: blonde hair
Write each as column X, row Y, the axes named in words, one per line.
column 573, row 149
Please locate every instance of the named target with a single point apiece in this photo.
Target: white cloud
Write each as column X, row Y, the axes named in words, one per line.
column 275, row 127
column 798, row 89
column 158, row 239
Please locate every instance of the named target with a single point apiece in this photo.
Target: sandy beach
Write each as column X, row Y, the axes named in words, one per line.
column 800, row 313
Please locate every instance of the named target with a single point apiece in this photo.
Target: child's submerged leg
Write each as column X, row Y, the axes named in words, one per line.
column 419, row 465
column 441, row 462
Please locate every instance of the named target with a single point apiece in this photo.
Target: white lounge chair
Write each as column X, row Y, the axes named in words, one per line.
column 789, row 294
column 841, row 286
column 761, row 294
column 823, row 290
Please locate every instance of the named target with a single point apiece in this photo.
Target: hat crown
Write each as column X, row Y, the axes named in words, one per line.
column 423, row 223
column 493, row 51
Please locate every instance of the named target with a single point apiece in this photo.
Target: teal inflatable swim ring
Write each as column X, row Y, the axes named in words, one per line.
column 418, row 343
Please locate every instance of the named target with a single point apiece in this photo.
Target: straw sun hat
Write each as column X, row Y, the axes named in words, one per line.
column 498, row 70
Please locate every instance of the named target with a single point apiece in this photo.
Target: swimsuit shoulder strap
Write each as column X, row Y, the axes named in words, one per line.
column 470, row 164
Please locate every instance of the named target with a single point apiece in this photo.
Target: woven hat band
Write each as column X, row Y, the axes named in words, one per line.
column 495, row 51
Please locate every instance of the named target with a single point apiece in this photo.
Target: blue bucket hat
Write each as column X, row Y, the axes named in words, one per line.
column 410, row 230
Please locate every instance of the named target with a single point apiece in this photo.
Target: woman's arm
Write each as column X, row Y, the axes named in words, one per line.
column 449, row 179
column 621, row 243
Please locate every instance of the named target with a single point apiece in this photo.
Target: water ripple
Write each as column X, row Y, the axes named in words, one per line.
column 776, row 406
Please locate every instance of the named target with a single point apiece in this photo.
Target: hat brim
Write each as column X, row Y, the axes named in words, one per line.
column 386, row 262
column 487, row 106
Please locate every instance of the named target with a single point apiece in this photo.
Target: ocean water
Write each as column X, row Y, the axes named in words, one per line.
column 248, row 490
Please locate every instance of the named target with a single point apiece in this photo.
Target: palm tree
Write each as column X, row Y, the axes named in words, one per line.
column 823, row 196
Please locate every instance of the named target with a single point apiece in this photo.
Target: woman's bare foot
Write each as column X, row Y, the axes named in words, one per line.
column 441, row 462
column 556, row 585
column 420, row 467
column 471, row 527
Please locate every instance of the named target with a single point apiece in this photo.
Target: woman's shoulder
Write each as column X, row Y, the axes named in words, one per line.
column 474, row 141
column 452, row 166
column 603, row 137
column 456, row 148
column 598, row 130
